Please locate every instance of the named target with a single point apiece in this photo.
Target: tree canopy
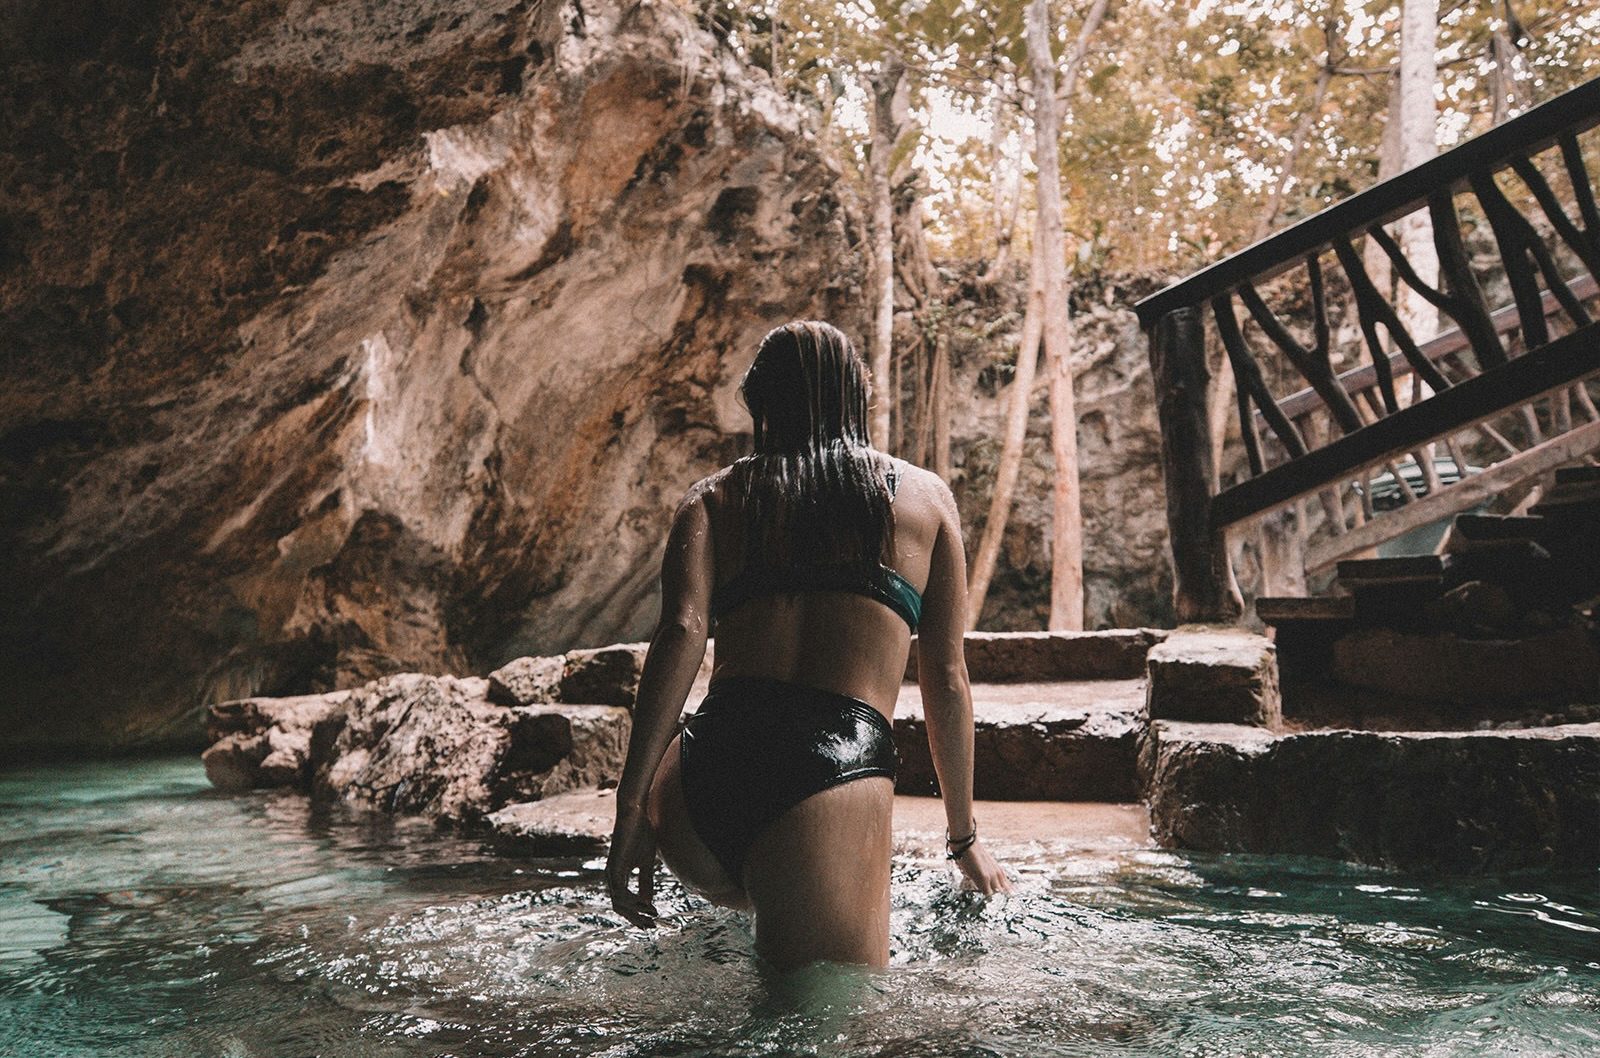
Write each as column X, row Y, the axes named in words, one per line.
column 1179, row 130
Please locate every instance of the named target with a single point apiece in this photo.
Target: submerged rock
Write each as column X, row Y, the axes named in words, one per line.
column 580, row 822
column 566, row 824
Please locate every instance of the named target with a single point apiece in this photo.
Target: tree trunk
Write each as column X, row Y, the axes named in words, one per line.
column 1419, row 141
column 1006, row 190
column 1372, row 256
column 941, row 404
column 1005, row 477
column 1066, row 554
column 886, row 85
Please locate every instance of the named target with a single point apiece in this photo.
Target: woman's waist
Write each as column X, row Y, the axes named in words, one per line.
column 740, row 689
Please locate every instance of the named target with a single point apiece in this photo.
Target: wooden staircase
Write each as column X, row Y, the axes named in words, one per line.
column 1502, row 398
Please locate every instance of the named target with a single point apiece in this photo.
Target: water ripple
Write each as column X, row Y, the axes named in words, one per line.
column 141, row 914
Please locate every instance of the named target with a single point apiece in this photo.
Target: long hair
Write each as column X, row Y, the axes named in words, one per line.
column 812, row 491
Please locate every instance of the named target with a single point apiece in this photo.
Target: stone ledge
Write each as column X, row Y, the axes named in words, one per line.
column 1032, row 657
column 579, row 823
column 1460, row 800
column 1038, row 741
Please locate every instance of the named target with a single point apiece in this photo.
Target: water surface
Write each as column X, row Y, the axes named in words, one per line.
column 141, row 913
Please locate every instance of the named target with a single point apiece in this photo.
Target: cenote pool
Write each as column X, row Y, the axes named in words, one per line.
column 143, row 914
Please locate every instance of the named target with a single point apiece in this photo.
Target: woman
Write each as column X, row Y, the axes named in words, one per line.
column 817, row 556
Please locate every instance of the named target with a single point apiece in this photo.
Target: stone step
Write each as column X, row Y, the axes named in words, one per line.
column 1044, row 741
column 1217, row 674
column 579, row 823
column 1031, row 657
column 1460, row 800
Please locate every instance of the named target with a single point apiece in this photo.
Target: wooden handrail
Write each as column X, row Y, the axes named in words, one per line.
column 1574, row 111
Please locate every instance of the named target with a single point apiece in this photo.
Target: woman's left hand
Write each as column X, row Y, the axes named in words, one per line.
column 633, row 847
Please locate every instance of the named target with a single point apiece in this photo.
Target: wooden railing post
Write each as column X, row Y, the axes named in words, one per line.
column 1204, row 588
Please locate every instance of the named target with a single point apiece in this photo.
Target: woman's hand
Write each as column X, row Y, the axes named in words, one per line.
column 982, row 871
column 633, row 847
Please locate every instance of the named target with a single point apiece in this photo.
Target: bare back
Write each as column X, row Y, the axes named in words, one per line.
column 835, row 640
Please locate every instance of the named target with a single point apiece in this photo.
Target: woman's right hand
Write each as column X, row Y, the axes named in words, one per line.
column 982, row 871
column 633, row 848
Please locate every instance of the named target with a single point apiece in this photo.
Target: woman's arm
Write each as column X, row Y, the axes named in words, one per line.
column 676, row 650
column 947, row 694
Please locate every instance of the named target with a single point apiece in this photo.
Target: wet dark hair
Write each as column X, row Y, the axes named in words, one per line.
column 813, row 489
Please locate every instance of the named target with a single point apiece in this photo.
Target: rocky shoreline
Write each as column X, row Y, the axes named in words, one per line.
column 1189, row 723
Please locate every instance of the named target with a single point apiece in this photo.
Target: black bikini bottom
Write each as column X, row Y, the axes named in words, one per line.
column 757, row 747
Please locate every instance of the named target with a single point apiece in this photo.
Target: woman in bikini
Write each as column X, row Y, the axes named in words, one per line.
column 808, row 555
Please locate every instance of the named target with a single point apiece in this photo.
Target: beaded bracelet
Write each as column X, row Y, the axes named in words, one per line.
column 958, row 847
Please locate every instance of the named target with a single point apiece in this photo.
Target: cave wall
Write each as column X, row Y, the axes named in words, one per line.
column 341, row 339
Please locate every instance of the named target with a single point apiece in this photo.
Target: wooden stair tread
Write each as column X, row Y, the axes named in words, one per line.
column 1400, row 568
column 1573, row 492
column 1567, row 506
column 1576, row 475
column 1497, row 527
column 1282, row 609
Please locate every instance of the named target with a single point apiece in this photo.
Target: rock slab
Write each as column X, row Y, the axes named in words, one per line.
column 604, row 675
column 263, row 742
column 579, row 823
column 1215, row 675
column 528, row 681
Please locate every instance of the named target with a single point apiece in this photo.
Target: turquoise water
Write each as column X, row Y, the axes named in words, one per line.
column 143, row 914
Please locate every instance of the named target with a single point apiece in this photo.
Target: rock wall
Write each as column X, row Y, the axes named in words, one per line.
column 345, row 339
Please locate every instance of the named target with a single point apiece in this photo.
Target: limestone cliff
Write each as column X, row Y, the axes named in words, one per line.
column 341, row 338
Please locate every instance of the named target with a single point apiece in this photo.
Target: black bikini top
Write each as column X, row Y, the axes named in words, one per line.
column 874, row 580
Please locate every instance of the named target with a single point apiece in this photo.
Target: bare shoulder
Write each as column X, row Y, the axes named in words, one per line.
column 924, row 486
column 706, row 488
column 704, row 498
